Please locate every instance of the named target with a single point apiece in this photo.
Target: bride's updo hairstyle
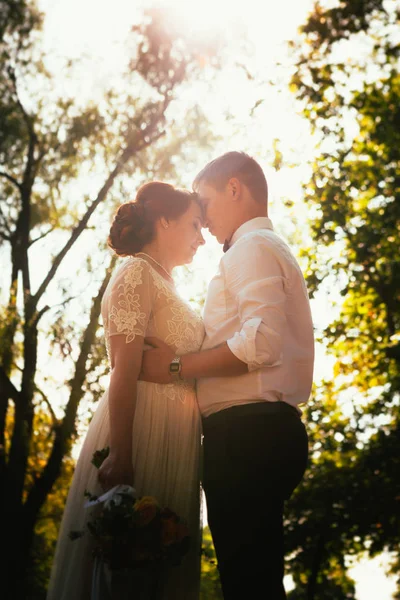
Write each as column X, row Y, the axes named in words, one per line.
column 134, row 222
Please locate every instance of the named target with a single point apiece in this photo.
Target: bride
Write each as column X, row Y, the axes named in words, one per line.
column 153, row 430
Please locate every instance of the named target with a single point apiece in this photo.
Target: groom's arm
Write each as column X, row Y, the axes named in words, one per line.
column 216, row 362
column 257, row 282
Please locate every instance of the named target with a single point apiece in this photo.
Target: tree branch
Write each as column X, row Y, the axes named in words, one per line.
column 86, row 344
column 4, row 236
column 10, row 178
column 65, row 430
column 40, row 237
column 41, row 312
column 8, row 386
column 42, row 394
column 47, row 402
column 137, row 145
column 26, row 116
column 5, row 232
column 24, row 217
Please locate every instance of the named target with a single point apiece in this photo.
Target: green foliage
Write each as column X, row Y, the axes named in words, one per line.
column 18, row 18
column 210, row 588
column 334, row 586
column 349, row 500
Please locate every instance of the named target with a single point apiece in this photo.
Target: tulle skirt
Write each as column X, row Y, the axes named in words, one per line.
column 166, row 456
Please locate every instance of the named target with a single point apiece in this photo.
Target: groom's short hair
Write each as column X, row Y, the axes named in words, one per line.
column 235, row 164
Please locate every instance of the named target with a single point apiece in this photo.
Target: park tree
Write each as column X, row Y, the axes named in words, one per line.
column 53, row 227
column 346, row 78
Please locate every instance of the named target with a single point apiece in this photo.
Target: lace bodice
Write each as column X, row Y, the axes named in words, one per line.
column 139, row 301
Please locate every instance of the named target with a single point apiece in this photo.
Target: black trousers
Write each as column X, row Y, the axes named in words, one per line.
column 254, row 457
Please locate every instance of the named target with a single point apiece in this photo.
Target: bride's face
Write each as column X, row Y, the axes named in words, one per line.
column 184, row 234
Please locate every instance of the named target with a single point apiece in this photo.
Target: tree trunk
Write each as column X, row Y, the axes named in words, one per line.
column 19, row 519
column 7, row 355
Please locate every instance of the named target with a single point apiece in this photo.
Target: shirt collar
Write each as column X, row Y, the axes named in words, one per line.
column 252, row 225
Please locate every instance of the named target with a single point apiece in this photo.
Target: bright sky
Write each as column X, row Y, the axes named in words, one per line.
column 95, row 31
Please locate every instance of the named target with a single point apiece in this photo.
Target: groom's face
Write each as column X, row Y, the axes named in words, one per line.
column 218, row 210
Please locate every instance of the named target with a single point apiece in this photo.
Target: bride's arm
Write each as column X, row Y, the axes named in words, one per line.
column 126, row 359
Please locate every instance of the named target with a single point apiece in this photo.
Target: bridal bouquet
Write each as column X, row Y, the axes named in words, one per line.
column 131, row 532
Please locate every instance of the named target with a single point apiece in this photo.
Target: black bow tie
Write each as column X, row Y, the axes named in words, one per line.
column 226, row 246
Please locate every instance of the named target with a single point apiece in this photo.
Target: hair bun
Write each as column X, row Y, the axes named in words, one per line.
column 129, row 229
column 130, row 211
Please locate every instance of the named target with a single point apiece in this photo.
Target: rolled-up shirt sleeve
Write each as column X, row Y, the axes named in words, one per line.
column 257, row 282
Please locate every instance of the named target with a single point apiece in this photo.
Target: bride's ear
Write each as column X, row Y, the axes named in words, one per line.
column 164, row 222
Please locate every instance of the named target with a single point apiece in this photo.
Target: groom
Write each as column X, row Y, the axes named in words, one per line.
column 254, row 369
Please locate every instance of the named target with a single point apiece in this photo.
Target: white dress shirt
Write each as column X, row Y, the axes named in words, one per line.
column 258, row 303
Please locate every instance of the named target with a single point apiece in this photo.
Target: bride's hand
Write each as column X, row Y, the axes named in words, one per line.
column 155, row 362
column 115, row 470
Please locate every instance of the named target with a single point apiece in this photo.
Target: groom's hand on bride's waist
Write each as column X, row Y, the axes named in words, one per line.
column 156, row 362
column 215, row 362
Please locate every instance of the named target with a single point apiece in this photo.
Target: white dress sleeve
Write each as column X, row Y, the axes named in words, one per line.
column 130, row 301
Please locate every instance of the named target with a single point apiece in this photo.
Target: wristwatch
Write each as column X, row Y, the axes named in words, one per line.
column 175, row 368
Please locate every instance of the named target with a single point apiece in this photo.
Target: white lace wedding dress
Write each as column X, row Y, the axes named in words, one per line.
column 166, row 436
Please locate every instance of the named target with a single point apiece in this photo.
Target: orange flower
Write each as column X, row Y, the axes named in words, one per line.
column 147, row 507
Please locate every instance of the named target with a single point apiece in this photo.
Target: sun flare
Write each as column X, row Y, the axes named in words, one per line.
column 263, row 21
